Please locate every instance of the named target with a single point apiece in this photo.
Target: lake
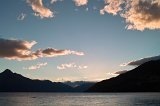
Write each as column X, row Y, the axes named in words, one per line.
column 79, row 99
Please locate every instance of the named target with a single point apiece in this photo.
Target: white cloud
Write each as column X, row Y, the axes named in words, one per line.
column 143, row 14
column 138, row 14
column 102, row 12
column 21, row 16
column 53, row 1
column 111, row 74
column 82, row 67
column 112, row 7
column 39, row 9
column 71, row 65
column 80, row 2
column 37, row 66
column 87, row 9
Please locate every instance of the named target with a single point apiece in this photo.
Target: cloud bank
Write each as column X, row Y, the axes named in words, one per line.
column 37, row 66
column 39, row 9
column 141, row 61
column 70, row 65
column 138, row 14
column 21, row 50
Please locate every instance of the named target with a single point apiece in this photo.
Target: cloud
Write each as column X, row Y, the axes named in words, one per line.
column 16, row 49
column 94, row 8
column 21, row 16
column 112, row 7
column 121, row 72
column 82, row 67
column 53, row 1
column 141, row 61
column 71, row 65
column 39, row 9
column 143, row 14
column 80, row 2
column 37, row 66
column 138, row 14
column 111, row 74
column 21, row 50
column 51, row 52
column 87, row 9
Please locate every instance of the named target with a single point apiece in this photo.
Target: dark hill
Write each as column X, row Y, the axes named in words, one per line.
column 80, row 86
column 13, row 82
column 144, row 78
column 84, row 87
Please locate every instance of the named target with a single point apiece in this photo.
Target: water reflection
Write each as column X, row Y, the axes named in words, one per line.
column 79, row 99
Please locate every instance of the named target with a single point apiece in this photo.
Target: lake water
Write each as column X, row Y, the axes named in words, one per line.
column 79, row 99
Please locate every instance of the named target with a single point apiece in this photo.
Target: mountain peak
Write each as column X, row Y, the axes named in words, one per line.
column 7, row 71
column 13, row 82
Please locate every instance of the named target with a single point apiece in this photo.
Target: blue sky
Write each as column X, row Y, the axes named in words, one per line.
column 104, row 40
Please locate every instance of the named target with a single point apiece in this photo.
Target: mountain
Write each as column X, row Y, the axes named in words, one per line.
column 13, row 82
column 83, row 87
column 144, row 78
column 74, row 83
column 80, row 86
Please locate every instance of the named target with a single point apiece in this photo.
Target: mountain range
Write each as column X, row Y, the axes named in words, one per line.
column 80, row 86
column 144, row 78
column 13, row 82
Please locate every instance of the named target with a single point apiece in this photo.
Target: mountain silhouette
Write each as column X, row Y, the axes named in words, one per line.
column 144, row 78
column 13, row 82
column 80, row 86
column 83, row 87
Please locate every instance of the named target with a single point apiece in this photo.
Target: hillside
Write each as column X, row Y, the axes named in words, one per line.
column 13, row 82
column 144, row 78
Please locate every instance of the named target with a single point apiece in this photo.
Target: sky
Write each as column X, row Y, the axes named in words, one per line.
column 75, row 40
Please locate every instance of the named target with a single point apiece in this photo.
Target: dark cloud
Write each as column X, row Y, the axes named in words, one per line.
column 21, row 50
column 121, row 72
column 16, row 49
column 141, row 61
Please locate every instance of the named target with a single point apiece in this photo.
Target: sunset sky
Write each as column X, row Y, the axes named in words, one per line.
column 74, row 40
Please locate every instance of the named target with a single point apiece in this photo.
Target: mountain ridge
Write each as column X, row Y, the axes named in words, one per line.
column 144, row 78
column 13, row 82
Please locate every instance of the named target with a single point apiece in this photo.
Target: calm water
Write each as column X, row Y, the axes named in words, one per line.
column 79, row 99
